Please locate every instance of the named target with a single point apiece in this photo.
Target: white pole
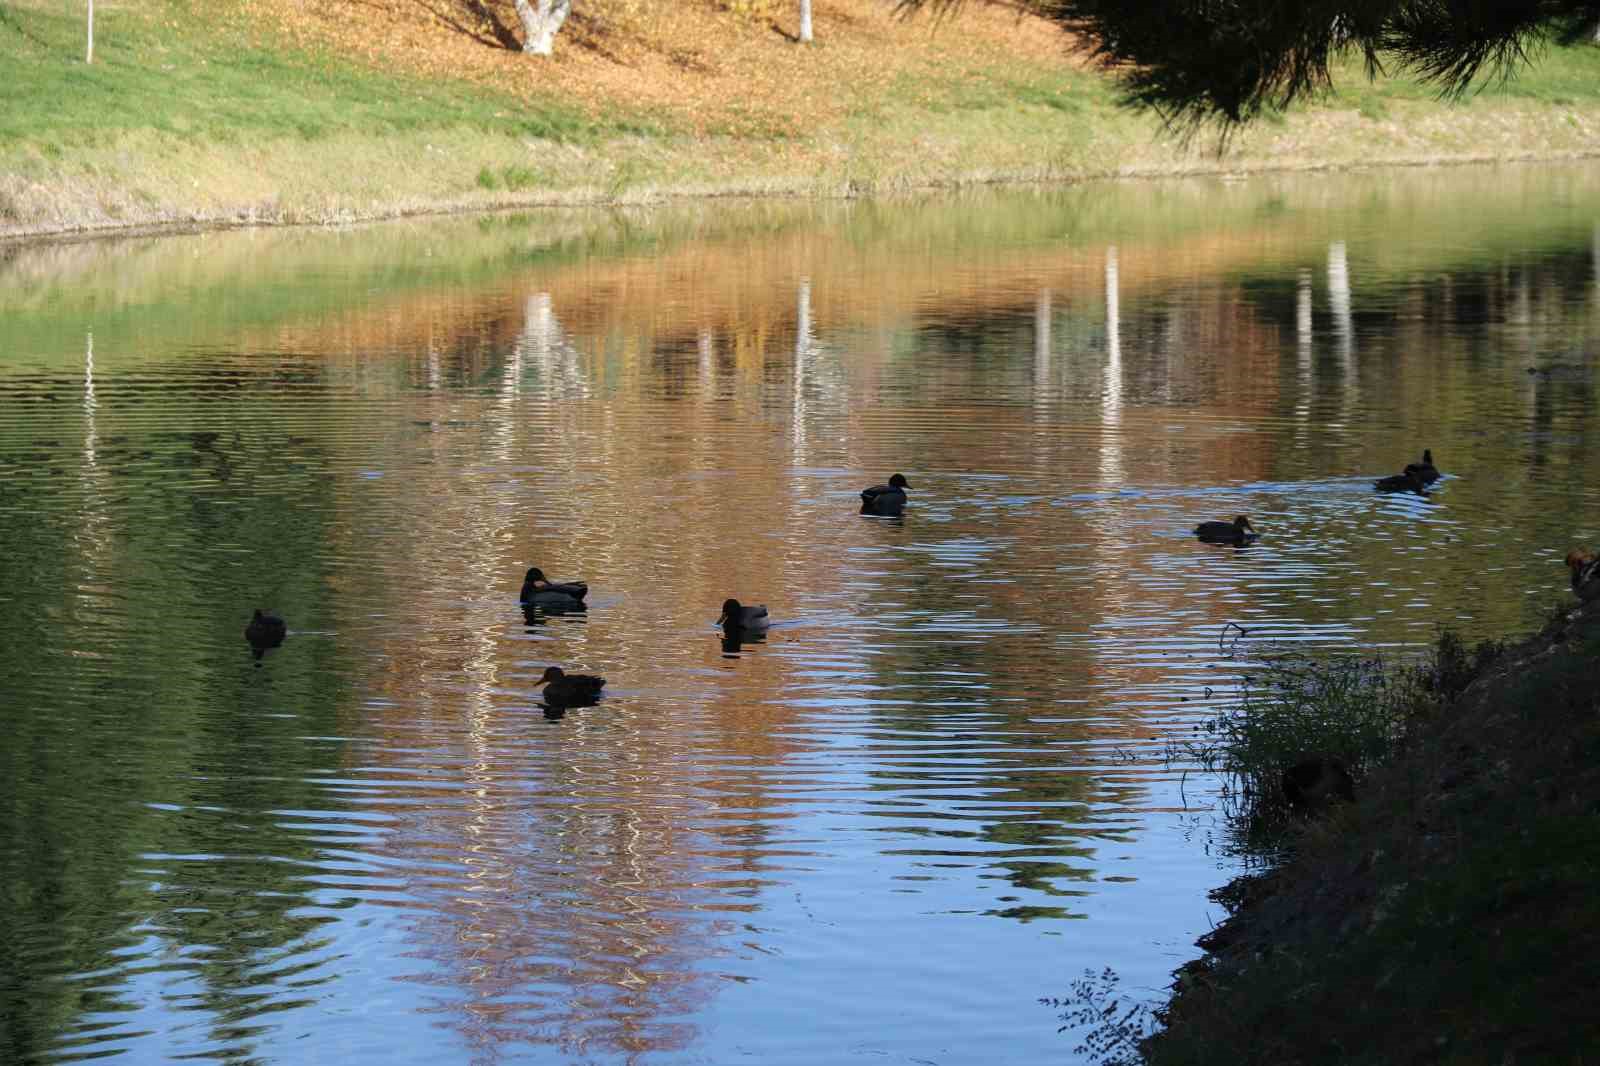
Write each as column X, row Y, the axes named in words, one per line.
column 805, row 21
column 89, row 57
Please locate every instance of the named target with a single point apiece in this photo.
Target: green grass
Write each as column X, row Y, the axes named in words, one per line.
column 191, row 114
column 519, row 179
column 1559, row 76
column 1357, row 709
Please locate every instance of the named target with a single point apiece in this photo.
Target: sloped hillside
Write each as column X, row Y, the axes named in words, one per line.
column 1450, row 914
column 705, row 66
column 294, row 111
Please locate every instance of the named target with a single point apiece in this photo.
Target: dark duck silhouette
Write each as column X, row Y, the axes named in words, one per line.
column 1585, row 567
column 540, row 591
column 737, row 617
column 1425, row 469
column 1409, row 481
column 887, row 500
column 1238, row 532
column 562, row 689
column 265, row 631
column 1315, row 784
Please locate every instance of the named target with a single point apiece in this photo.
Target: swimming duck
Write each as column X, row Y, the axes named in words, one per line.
column 1239, row 531
column 265, row 631
column 562, row 689
column 887, row 500
column 1585, row 567
column 1315, row 784
column 736, row 615
column 540, row 591
column 1425, row 469
column 1410, row 481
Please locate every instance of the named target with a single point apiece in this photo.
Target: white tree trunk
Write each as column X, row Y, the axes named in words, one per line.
column 89, row 53
column 805, row 21
column 541, row 23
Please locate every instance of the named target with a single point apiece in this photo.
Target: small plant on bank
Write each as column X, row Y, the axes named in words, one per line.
column 487, row 180
column 1353, row 710
column 519, row 179
column 623, row 177
column 1115, row 1025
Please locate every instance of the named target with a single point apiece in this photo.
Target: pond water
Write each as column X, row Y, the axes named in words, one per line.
column 936, row 792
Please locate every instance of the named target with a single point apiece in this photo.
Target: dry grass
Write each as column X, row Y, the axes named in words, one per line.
column 327, row 111
column 702, row 67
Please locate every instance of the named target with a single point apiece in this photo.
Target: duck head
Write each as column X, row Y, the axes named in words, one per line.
column 552, row 673
column 535, row 577
column 899, row 482
column 1427, row 457
column 1577, row 559
column 1242, row 524
column 731, row 610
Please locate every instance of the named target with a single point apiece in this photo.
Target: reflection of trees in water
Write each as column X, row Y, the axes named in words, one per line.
column 978, row 781
column 146, row 778
column 574, row 924
column 573, row 892
column 570, row 910
column 1454, row 341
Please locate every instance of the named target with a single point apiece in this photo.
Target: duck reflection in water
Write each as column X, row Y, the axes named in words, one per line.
column 535, row 615
column 264, row 632
column 734, row 640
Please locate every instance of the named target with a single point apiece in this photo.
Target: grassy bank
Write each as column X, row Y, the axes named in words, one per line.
column 1449, row 914
column 253, row 111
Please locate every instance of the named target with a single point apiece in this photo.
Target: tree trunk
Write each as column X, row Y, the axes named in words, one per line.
column 805, row 21
column 541, row 24
column 88, row 56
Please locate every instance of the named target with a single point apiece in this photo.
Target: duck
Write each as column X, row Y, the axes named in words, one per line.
column 265, row 631
column 1585, row 567
column 1239, row 531
column 736, row 616
column 540, row 591
column 886, row 500
column 1317, row 783
column 562, row 689
column 1425, row 469
column 1409, row 481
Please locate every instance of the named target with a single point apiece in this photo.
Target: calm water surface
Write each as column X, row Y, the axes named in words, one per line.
column 934, row 793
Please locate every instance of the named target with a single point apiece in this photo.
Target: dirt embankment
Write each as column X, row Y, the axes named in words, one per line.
column 1450, row 915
